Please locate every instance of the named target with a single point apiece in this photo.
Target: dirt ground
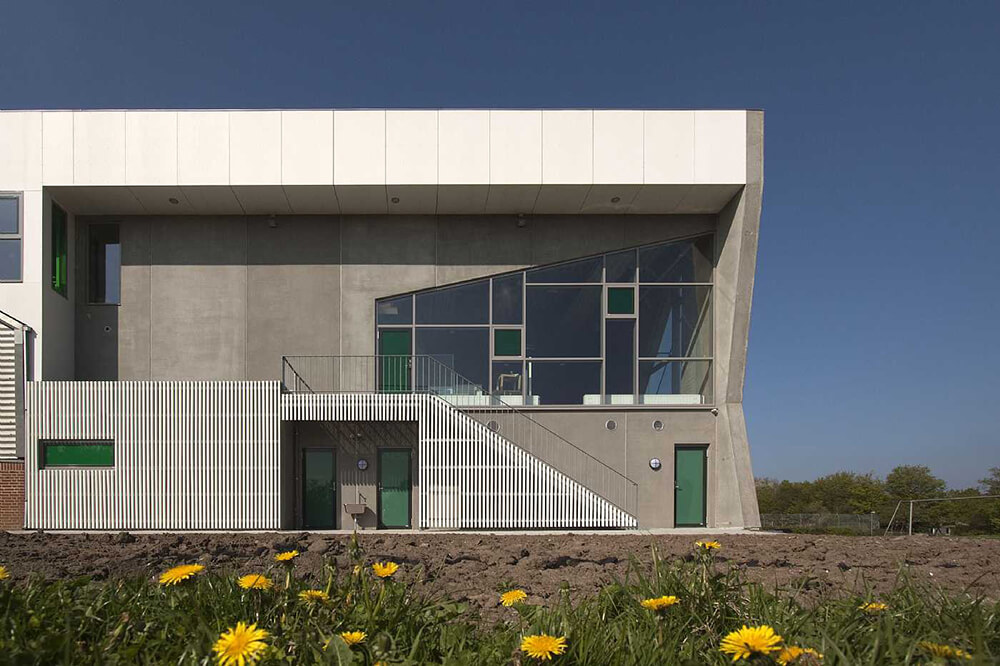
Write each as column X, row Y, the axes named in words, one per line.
column 472, row 567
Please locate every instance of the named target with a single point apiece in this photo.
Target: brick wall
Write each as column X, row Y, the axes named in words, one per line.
column 11, row 495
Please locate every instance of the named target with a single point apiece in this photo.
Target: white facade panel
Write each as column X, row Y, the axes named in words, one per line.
column 515, row 147
column 618, row 145
column 307, row 147
column 187, row 455
column 255, row 147
column 203, row 148
column 99, row 148
column 151, row 147
column 567, row 147
column 411, row 147
column 359, row 147
column 720, row 142
column 464, row 148
column 57, row 147
column 21, row 150
column 668, row 147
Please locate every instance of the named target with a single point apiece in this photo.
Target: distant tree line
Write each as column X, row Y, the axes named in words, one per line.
column 849, row 492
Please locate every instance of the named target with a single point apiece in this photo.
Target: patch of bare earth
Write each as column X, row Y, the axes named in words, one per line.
column 473, row 567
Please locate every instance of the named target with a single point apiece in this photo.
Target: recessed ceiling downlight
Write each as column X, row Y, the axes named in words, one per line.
column 173, row 201
column 615, row 199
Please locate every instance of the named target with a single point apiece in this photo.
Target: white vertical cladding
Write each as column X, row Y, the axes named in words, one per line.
column 8, row 387
column 469, row 476
column 188, row 455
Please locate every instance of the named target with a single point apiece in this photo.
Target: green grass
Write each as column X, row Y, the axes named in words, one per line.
column 137, row 621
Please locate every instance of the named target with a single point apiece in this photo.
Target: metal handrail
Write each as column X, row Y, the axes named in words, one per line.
column 428, row 375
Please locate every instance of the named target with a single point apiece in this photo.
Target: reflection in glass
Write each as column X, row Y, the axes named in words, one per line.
column 464, row 304
column 10, row 259
column 464, row 350
column 395, row 310
column 507, row 299
column 564, row 382
column 508, row 379
column 620, row 267
column 10, row 218
column 675, row 382
column 675, row 321
column 619, row 354
column 584, row 270
column 680, row 261
column 105, row 264
column 563, row 322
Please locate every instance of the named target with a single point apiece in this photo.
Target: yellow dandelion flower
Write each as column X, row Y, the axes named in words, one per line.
column 792, row 654
column 240, row 645
column 512, row 597
column 943, row 651
column 707, row 545
column 314, row 596
column 179, row 573
column 658, row 604
column 543, row 646
column 4, row 574
column 286, row 556
column 353, row 637
column 748, row 641
column 385, row 569
column 255, row 582
column 873, row 607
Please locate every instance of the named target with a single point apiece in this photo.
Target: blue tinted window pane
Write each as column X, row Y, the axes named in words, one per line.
column 675, row 382
column 675, row 321
column 9, row 222
column 563, row 322
column 584, row 270
column 395, row 310
column 464, row 350
column 564, row 382
column 681, row 261
column 619, row 352
column 464, row 304
column 620, row 266
column 507, row 299
column 10, row 259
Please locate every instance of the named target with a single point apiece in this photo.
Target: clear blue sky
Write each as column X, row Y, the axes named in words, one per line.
column 876, row 314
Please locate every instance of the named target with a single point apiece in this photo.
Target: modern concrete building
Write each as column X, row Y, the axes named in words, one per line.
column 383, row 318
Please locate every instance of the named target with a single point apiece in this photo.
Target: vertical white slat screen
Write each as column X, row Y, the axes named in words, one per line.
column 470, row 477
column 187, row 455
column 8, row 408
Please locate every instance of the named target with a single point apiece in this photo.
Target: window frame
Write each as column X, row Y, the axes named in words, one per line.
column 54, row 254
column 18, row 235
column 711, row 237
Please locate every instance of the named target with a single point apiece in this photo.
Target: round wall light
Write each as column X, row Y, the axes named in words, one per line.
column 655, row 464
column 362, row 464
column 494, row 426
column 610, row 424
column 657, row 425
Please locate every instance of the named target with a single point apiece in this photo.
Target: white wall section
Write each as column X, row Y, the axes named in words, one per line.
column 188, row 455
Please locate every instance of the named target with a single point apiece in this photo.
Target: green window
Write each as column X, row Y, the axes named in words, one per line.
column 78, row 453
column 621, row 300
column 507, row 342
column 59, row 249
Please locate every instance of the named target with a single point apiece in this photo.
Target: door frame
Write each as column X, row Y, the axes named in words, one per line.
column 378, row 488
column 302, row 486
column 704, row 483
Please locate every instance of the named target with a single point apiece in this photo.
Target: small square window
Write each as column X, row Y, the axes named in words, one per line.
column 10, row 215
column 507, row 342
column 621, row 300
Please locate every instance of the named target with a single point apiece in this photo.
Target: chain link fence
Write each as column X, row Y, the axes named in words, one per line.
column 865, row 523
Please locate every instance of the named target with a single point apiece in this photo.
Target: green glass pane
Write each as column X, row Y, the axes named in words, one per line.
column 394, row 360
column 621, row 300
column 507, row 342
column 394, row 488
column 319, row 489
column 97, row 454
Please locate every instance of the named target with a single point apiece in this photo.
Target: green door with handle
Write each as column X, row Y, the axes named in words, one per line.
column 689, row 486
column 394, row 486
column 394, row 348
column 319, row 489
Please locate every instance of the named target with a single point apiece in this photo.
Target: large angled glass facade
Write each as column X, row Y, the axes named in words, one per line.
column 630, row 327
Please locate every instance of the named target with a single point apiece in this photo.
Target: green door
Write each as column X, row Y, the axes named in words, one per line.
column 689, row 486
column 319, row 489
column 394, row 347
column 394, row 488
